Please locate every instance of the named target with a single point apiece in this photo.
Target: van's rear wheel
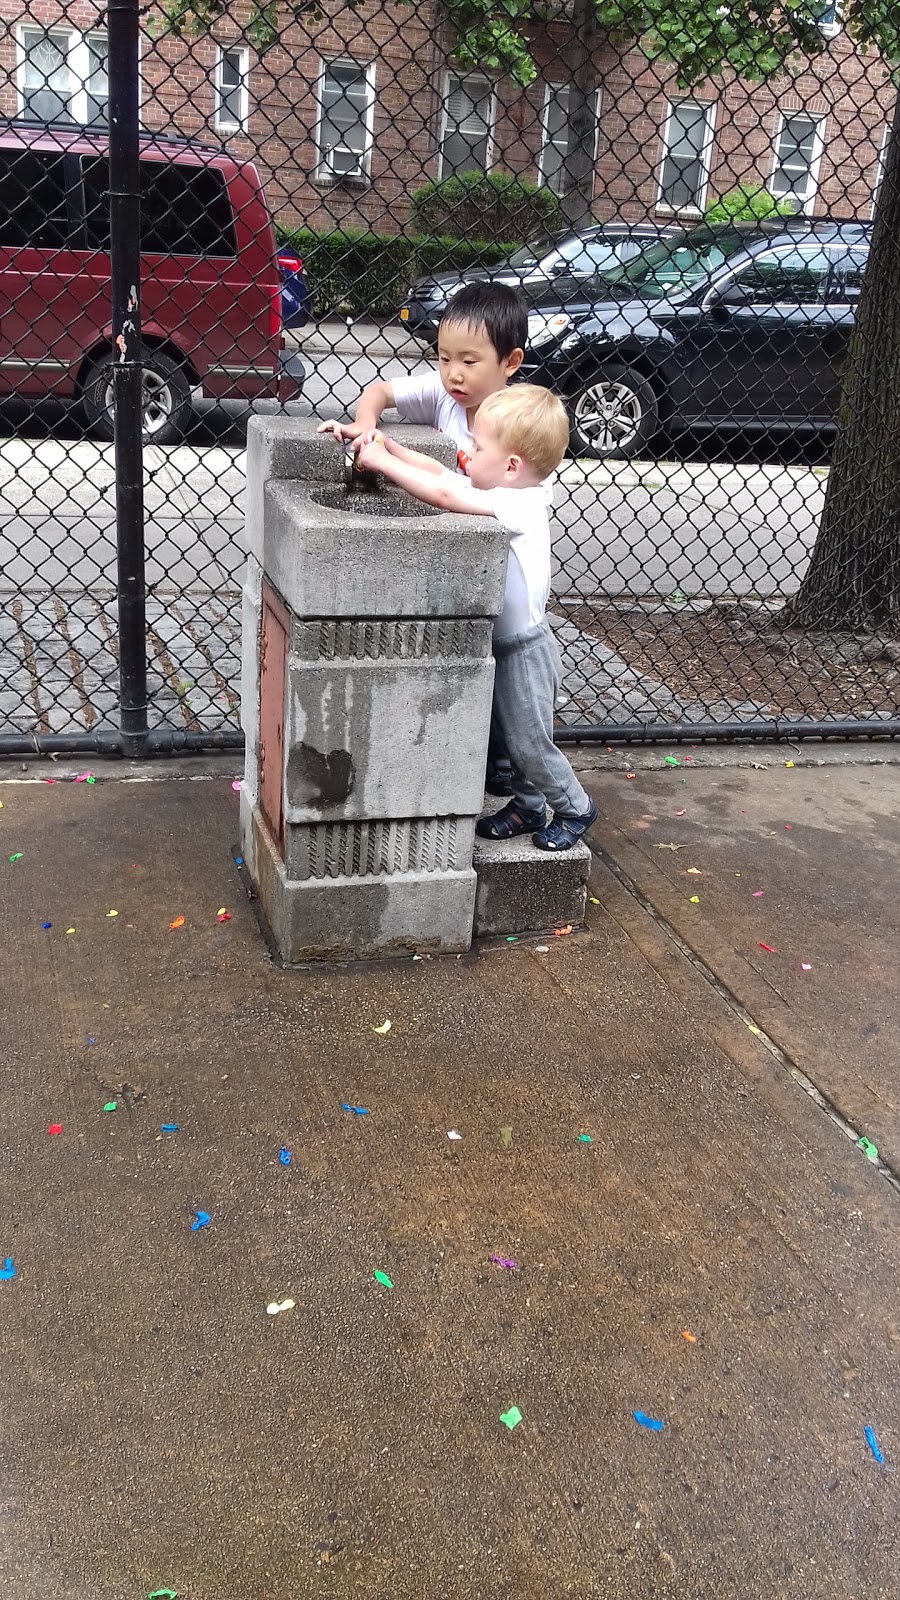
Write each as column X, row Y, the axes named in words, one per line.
column 165, row 399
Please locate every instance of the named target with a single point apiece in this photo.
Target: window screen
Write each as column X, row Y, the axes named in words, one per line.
column 684, row 163
column 33, row 200
column 467, row 125
column 185, row 210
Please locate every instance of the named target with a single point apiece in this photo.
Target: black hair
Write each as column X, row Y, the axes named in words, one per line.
column 496, row 308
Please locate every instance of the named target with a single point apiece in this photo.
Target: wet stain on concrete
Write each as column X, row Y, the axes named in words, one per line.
column 317, row 779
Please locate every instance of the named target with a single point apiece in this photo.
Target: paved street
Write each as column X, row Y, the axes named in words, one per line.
column 676, row 526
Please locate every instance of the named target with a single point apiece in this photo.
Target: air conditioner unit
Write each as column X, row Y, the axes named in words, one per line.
column 343, row 162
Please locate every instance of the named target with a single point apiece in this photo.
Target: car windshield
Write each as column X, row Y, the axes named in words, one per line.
column 559, row 245
column 671, row 265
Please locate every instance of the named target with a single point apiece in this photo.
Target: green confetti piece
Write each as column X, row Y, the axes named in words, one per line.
column 382, row 1277
column 584, row 1138
column 511, row 1418
column 158, row 1594
column 869, row 1150
column 110, row 1105
column 672, row 761
column 18, row 855
column 511, row 938
column 506, row 1138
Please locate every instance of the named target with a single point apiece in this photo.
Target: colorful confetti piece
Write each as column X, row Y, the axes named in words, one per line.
column 201, row 1221
column 511, row 1418
column 869, row 1150
column 7, row 1271
column 55, row 1127
column 385, row 1026
column 110, row 1105
column 178, row 923
column 584, row 1138
column 772, row 951
column 168, row 1127
column 653, row 1423
column 358, row 1111
column 503, row 1261
column 382, row 1278
column 18, row 855
column 874, row 1446
column 453, row 1134
column 284, row 1157
column 690, row 1337
column 274, row 1306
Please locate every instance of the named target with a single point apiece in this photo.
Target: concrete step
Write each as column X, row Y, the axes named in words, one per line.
column 525, row 890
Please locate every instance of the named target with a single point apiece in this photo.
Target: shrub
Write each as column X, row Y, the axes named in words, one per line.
column 497, row 205
column 368, row 274
column 748, row 203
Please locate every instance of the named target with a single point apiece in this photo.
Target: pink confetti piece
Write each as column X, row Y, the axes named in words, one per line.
column 805, row 966
column 757, row 893
column 502, row 1261
column 236, row 784
column 83, row 777
column 681, row 813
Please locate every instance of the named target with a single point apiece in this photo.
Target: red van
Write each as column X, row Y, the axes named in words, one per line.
column 211, row 288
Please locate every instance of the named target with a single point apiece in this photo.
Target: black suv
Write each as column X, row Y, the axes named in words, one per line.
column 727, row 326
column 560, row 266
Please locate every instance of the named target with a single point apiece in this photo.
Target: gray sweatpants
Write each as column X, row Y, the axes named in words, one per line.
column 527, row 676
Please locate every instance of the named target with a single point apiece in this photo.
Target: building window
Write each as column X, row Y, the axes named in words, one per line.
column 880, row 160
column 555, row 130
column 467, row 122
column 232, row 88
column 687, row 145
column 62, row 76
column 346, row 101
column 798, row 151
column 829, row 21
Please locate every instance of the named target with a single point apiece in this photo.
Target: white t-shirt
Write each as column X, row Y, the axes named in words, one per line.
column 425, row 401
column 524, row 511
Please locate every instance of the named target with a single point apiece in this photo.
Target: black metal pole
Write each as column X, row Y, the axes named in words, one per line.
column 125, row 276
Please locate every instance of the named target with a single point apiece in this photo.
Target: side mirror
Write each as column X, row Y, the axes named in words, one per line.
column 558, row 268
column 737, row 294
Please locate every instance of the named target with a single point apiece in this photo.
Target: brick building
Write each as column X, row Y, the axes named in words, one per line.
column 347, row 115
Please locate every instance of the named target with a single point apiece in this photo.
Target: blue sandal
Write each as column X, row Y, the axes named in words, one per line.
column 509, row 822
column 564, row 830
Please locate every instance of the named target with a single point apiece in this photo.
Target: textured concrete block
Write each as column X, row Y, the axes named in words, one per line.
column 291, row 448
column 343, row 916
column 524, row 890
column 251, row 609
column 370, row 738
column 337, row 561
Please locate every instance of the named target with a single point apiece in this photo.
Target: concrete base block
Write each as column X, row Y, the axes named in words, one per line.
column 358, row 918
column 524, row 890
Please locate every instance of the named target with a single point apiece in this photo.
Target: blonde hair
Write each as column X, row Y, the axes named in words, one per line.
column 528, row 421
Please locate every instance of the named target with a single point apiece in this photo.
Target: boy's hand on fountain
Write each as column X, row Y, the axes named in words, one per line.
column 371, row 451
column 343, row 432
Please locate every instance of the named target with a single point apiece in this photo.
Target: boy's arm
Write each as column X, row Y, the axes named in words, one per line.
column 447, row 490
column 373, row 400
column 411, row 457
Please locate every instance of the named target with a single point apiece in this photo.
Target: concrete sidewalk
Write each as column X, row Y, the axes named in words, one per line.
column 161, row 1430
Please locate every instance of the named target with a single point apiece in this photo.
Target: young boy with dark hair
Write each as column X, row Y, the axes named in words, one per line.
column 519, row 436
column 481, row 343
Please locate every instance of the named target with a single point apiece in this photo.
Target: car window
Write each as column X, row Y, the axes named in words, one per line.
column 787, row 277
column 847, row 269
column 33, row 199
column 185, row 210
column 669, row 265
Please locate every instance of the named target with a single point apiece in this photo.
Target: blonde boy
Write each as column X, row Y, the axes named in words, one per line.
column 519, row 436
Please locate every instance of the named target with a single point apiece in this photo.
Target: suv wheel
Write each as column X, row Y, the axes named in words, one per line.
column 615, row 416
column 165, row 399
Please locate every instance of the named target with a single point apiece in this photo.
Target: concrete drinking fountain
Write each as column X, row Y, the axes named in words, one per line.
column 366, row 697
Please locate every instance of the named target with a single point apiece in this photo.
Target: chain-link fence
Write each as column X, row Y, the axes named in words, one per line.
column 692, row 202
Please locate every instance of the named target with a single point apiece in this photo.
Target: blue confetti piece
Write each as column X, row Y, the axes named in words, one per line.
column 358, row 1111
column 90, row 1040
column 46, row 925
column 239, row 861
column 8, row 1271
column 874, row 1446
column 168, row 1127
column 201, row 1222
column 652, row 1423
column 284, row 1157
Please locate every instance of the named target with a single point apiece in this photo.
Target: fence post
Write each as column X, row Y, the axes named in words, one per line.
column 125, row 275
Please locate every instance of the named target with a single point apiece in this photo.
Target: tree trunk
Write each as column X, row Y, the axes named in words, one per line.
column 853, row 580
column 580, row 58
